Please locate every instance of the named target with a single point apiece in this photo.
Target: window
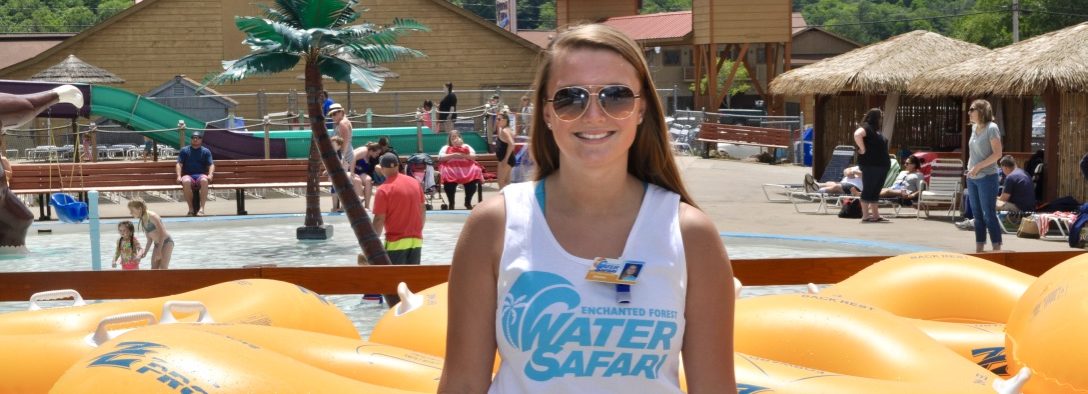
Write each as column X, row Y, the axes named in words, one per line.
column 672, row 57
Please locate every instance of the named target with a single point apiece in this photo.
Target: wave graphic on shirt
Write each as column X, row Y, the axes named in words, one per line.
column 533, row 294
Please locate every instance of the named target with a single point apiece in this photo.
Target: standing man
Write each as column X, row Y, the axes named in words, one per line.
column 447, row 109
column 195, row 169
column 399, row 210
column 326, row 103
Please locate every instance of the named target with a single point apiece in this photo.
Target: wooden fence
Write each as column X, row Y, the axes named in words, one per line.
column 18, row 286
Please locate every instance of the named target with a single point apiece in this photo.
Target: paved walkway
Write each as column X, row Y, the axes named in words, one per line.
column 729, row 191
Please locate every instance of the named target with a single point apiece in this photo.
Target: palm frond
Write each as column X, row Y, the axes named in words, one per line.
column 290, row 38
column 348, row 71
column 348, row 15
column 378, row 54
column 275, row 14
column 320, row 13
column 290, row 11
column 263, row 62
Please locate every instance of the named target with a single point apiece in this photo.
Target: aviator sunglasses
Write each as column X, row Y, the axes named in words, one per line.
column 571, row 102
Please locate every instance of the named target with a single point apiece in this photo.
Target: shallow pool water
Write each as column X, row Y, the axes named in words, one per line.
column 233, row 242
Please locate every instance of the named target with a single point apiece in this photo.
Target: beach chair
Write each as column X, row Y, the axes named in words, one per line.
column 841, row 158
column 944, row 186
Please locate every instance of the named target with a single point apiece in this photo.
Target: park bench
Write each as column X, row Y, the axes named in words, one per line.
column 127, row 176
column 714, row 133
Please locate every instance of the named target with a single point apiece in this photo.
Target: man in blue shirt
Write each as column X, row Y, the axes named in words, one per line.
column 326, row 102
column 195, row 170
column 1019, row 192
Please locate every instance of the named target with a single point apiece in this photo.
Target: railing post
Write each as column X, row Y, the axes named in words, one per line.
column 94, row 142
column 369, row 118
column 181, row 134
column 267, row 138
column 419, row 132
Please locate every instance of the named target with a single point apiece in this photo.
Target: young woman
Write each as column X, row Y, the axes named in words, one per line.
column 606, row 187
column 873, row 161
column 984, row 152
column 504, row 149
column 157, row 237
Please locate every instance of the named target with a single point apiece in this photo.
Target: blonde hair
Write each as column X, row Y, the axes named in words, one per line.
column 985, row 111
column 142, row 207
column 650, row 157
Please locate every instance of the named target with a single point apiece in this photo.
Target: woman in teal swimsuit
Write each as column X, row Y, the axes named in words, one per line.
column 156, row 235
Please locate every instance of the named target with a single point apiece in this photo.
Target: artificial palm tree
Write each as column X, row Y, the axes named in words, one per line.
column 321, row 34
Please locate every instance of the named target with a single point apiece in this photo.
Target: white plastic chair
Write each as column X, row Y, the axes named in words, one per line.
column 944, row 186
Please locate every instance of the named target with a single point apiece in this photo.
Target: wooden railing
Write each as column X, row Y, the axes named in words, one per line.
column 18, row 286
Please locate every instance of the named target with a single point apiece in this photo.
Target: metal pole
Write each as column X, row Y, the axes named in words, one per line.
column 419, row 133
column 181, row 134
column 1015, row 20
column 96, row 239
column 94, row 142
column 369, row 118
column 267, row 138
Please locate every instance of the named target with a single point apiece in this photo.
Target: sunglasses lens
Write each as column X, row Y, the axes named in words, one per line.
column 570, row 103
column 617, row 101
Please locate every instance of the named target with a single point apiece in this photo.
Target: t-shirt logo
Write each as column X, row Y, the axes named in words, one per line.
column 542, row 314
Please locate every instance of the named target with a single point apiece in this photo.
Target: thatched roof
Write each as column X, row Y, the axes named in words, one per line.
column 883, row 67
column 74, row 70
column 1056, row 60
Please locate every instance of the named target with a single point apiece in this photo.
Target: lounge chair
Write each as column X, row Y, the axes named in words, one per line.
column 841, row 158
column 944, row 186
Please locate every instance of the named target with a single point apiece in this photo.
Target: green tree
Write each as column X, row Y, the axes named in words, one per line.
column 547, row 16
column 321, row 35
column 992, row 25
column 655, row 6
column 741, row 81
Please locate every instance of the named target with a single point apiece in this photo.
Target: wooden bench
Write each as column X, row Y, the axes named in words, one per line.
column 714, row 133
column 239, row 175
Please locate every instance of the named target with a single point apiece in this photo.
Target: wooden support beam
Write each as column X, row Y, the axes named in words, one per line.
column 733, row 72
column 698, row 60
column 1052, row 99
column 755, row 81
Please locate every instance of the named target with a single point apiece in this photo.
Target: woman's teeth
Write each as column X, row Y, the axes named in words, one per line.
column 593, row 136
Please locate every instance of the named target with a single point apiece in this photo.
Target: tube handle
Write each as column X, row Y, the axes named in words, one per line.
column 102, row 333
column 171, row 307
column 77, row 300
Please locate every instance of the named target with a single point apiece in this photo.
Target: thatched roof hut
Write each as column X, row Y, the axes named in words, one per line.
column 1052, row 65
column 847, row 85
column 886, row 66
column 74, row 70
column 1056, row 60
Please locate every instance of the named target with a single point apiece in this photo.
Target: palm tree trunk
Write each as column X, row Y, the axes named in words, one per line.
column 313, row 187
column 357, row 216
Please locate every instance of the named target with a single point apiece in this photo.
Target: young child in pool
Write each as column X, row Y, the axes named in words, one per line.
column 128, row 247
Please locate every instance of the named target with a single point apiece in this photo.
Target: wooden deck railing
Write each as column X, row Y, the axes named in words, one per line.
column 18, row 286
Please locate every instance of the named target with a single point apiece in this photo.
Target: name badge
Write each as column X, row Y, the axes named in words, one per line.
column 616, row 271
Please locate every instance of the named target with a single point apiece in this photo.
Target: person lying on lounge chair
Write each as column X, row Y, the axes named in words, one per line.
column 906, row 185
column 850, row 183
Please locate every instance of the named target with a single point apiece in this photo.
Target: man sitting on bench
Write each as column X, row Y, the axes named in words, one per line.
column 195, row 170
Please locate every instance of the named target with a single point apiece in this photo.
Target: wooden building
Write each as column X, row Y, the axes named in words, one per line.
column 729, row 29
column 155, row 40
column 1052, row 66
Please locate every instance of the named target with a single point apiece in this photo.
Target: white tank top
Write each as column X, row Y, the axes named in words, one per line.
column 559, row 333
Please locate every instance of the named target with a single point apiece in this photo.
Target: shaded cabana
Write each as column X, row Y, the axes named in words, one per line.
column 877, row 75
column 1052, row 65
column 74, row 70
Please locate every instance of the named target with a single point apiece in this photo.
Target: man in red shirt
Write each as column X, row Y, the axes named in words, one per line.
column 399, row 210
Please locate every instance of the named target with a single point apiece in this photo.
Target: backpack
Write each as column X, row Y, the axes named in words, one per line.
column 851, row 208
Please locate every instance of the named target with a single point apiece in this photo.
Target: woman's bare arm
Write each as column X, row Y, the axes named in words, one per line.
column 708, row 332
column 470, row 336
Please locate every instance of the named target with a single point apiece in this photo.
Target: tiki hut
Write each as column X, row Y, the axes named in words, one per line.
column 847, row 85
column 74, row 70
column 1052, row 65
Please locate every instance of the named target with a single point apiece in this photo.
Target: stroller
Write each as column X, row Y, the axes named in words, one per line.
column 421, row 167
